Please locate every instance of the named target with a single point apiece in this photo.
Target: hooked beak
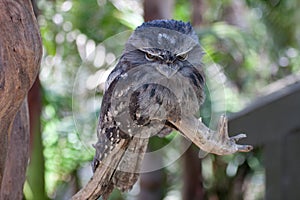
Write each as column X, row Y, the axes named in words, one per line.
column 167, row 70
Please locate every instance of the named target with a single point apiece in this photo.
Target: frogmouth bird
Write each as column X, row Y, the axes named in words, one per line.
column 156, row 87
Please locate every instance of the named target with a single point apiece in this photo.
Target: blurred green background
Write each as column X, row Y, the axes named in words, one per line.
column 251, row 43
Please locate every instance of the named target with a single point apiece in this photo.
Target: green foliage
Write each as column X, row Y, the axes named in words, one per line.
column 100, row 16
column 182, row 11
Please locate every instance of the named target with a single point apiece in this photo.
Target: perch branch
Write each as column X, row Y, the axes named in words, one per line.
column 100, row 183
column 217, row 142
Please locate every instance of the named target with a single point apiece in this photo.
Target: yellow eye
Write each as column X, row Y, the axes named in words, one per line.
column 182, row 57
column 149, row 56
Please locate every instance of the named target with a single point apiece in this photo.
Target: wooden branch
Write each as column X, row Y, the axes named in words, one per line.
column 100, row 183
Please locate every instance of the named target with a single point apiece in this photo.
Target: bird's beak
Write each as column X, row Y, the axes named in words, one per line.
column 167, row 70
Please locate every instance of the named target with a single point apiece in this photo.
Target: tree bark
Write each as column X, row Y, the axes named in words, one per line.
column 15, row 166
column 20, row 55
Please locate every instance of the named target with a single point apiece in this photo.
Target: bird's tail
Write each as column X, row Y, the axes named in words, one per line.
column 129, row 166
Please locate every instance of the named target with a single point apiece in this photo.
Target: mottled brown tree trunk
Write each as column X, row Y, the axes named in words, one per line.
column 17, row 154
column 20, row 55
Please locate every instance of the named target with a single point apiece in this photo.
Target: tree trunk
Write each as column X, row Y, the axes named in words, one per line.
column 158, row 9
column 192, row 175
column 20, row 55
column 197, row 9
column 36, row 168
column 15, row 166
column 151, row 183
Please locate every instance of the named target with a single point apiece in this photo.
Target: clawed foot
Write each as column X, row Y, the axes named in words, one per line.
column 230, row 142
column 238, row 137
column 217, row 142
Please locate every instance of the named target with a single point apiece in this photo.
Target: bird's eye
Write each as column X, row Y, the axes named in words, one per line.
column 182, row 57
column 149, row 56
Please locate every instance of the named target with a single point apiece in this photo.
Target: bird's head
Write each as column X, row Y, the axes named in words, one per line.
column 166, row 44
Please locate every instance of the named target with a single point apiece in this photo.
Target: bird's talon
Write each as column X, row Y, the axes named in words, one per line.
column 238, row 137
column 244, row 148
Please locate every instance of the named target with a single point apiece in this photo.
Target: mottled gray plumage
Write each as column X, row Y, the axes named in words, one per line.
column 157, row 85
